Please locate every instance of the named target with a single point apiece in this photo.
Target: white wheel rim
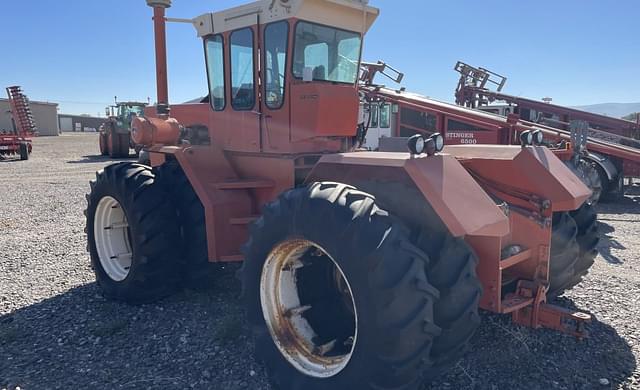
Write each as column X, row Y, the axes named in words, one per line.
column 111, row 232
column 303, row 342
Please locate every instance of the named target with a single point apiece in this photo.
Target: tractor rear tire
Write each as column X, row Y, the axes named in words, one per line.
column 452, row 270
column 103, row 139
column 24, row 152
column 356, row 250
column 124, row 141
column 131, row 231
column 112, row 145
column 586, row 220
column 198, row 273
column 564, row 253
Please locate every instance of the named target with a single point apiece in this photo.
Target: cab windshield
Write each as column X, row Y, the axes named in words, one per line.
column 329, row 54
column 126, row 111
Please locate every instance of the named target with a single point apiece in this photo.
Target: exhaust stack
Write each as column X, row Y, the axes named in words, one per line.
column 159, row 28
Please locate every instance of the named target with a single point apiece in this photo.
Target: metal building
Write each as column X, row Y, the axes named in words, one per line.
column 79, row 123
column 45, row 115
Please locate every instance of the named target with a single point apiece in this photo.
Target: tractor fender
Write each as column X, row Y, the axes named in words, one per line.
column 448, row 191
column 221, row 192
column 523, row 175
column 604, row 163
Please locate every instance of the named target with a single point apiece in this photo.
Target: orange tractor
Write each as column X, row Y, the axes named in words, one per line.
column 361, row 269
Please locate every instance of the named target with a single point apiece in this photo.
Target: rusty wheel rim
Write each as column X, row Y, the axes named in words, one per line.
column 292, row 318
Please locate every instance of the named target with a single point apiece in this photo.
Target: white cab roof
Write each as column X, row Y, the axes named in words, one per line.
column 352, row 15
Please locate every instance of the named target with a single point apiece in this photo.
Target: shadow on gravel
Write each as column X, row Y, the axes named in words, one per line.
column 199, row 340
column 627, row 205
column 99, row 158
column 633, row 190
column 505, row 356
column 79, row 340
column 609, row 242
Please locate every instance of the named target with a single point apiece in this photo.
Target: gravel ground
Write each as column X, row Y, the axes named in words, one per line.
column 56, row 331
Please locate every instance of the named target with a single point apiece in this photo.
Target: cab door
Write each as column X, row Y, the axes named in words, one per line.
column 243, row 113
column 274, row 105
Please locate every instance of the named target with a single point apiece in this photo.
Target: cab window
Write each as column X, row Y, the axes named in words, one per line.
column 242, row 69
column 215, row 69
column 275, row 43
column 385, row 116
column 331, row 54
column 373, row 122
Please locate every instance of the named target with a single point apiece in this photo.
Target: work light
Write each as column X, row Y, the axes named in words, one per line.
column 538, row 137
column 416, row 144
column 526, row 138
column 439, row 141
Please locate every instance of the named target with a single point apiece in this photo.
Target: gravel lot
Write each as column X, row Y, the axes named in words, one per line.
column 56, row 331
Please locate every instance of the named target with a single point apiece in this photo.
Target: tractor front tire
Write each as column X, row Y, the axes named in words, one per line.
column 198, row 273
column 336, row 294
column 24, row 152
column 132, row 231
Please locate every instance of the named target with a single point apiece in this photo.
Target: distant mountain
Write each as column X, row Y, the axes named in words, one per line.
column 616, row 110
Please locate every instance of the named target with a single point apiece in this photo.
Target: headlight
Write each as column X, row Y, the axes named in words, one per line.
column 526, row 138
column 416, row 144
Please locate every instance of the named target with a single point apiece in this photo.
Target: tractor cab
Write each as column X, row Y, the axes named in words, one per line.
column 282, row 74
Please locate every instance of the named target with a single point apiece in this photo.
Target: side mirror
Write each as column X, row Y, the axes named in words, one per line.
column 307, row 74
column 106, row 111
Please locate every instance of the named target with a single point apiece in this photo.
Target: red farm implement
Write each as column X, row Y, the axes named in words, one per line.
column 613, row 144
column 16, row 142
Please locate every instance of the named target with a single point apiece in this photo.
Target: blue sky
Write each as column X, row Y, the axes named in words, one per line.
column 81, row 53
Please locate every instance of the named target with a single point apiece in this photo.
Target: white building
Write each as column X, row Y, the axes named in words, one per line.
column 44, row 114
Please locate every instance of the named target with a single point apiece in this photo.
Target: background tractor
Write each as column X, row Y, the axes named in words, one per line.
column 360, row 268
column 115, row 132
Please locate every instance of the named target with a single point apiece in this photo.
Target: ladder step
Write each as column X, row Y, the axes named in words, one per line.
column 244, row 220
column 515, row 259
column 515, row 302
column 232, row 258
column 243, row 184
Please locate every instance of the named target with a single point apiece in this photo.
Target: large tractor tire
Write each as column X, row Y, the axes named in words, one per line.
column 589, row 174
column 118, row 144
column 132, row 231
column 103, row 139
column 24, row 151
column 112, row 145
column 124, row 143
column 452, row 270
column 573, row 248
column 198, row 273
column 337, row 295
column 564, row 253
column 588, row 238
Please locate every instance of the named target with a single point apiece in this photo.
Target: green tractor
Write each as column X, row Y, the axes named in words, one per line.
column 115, row 132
